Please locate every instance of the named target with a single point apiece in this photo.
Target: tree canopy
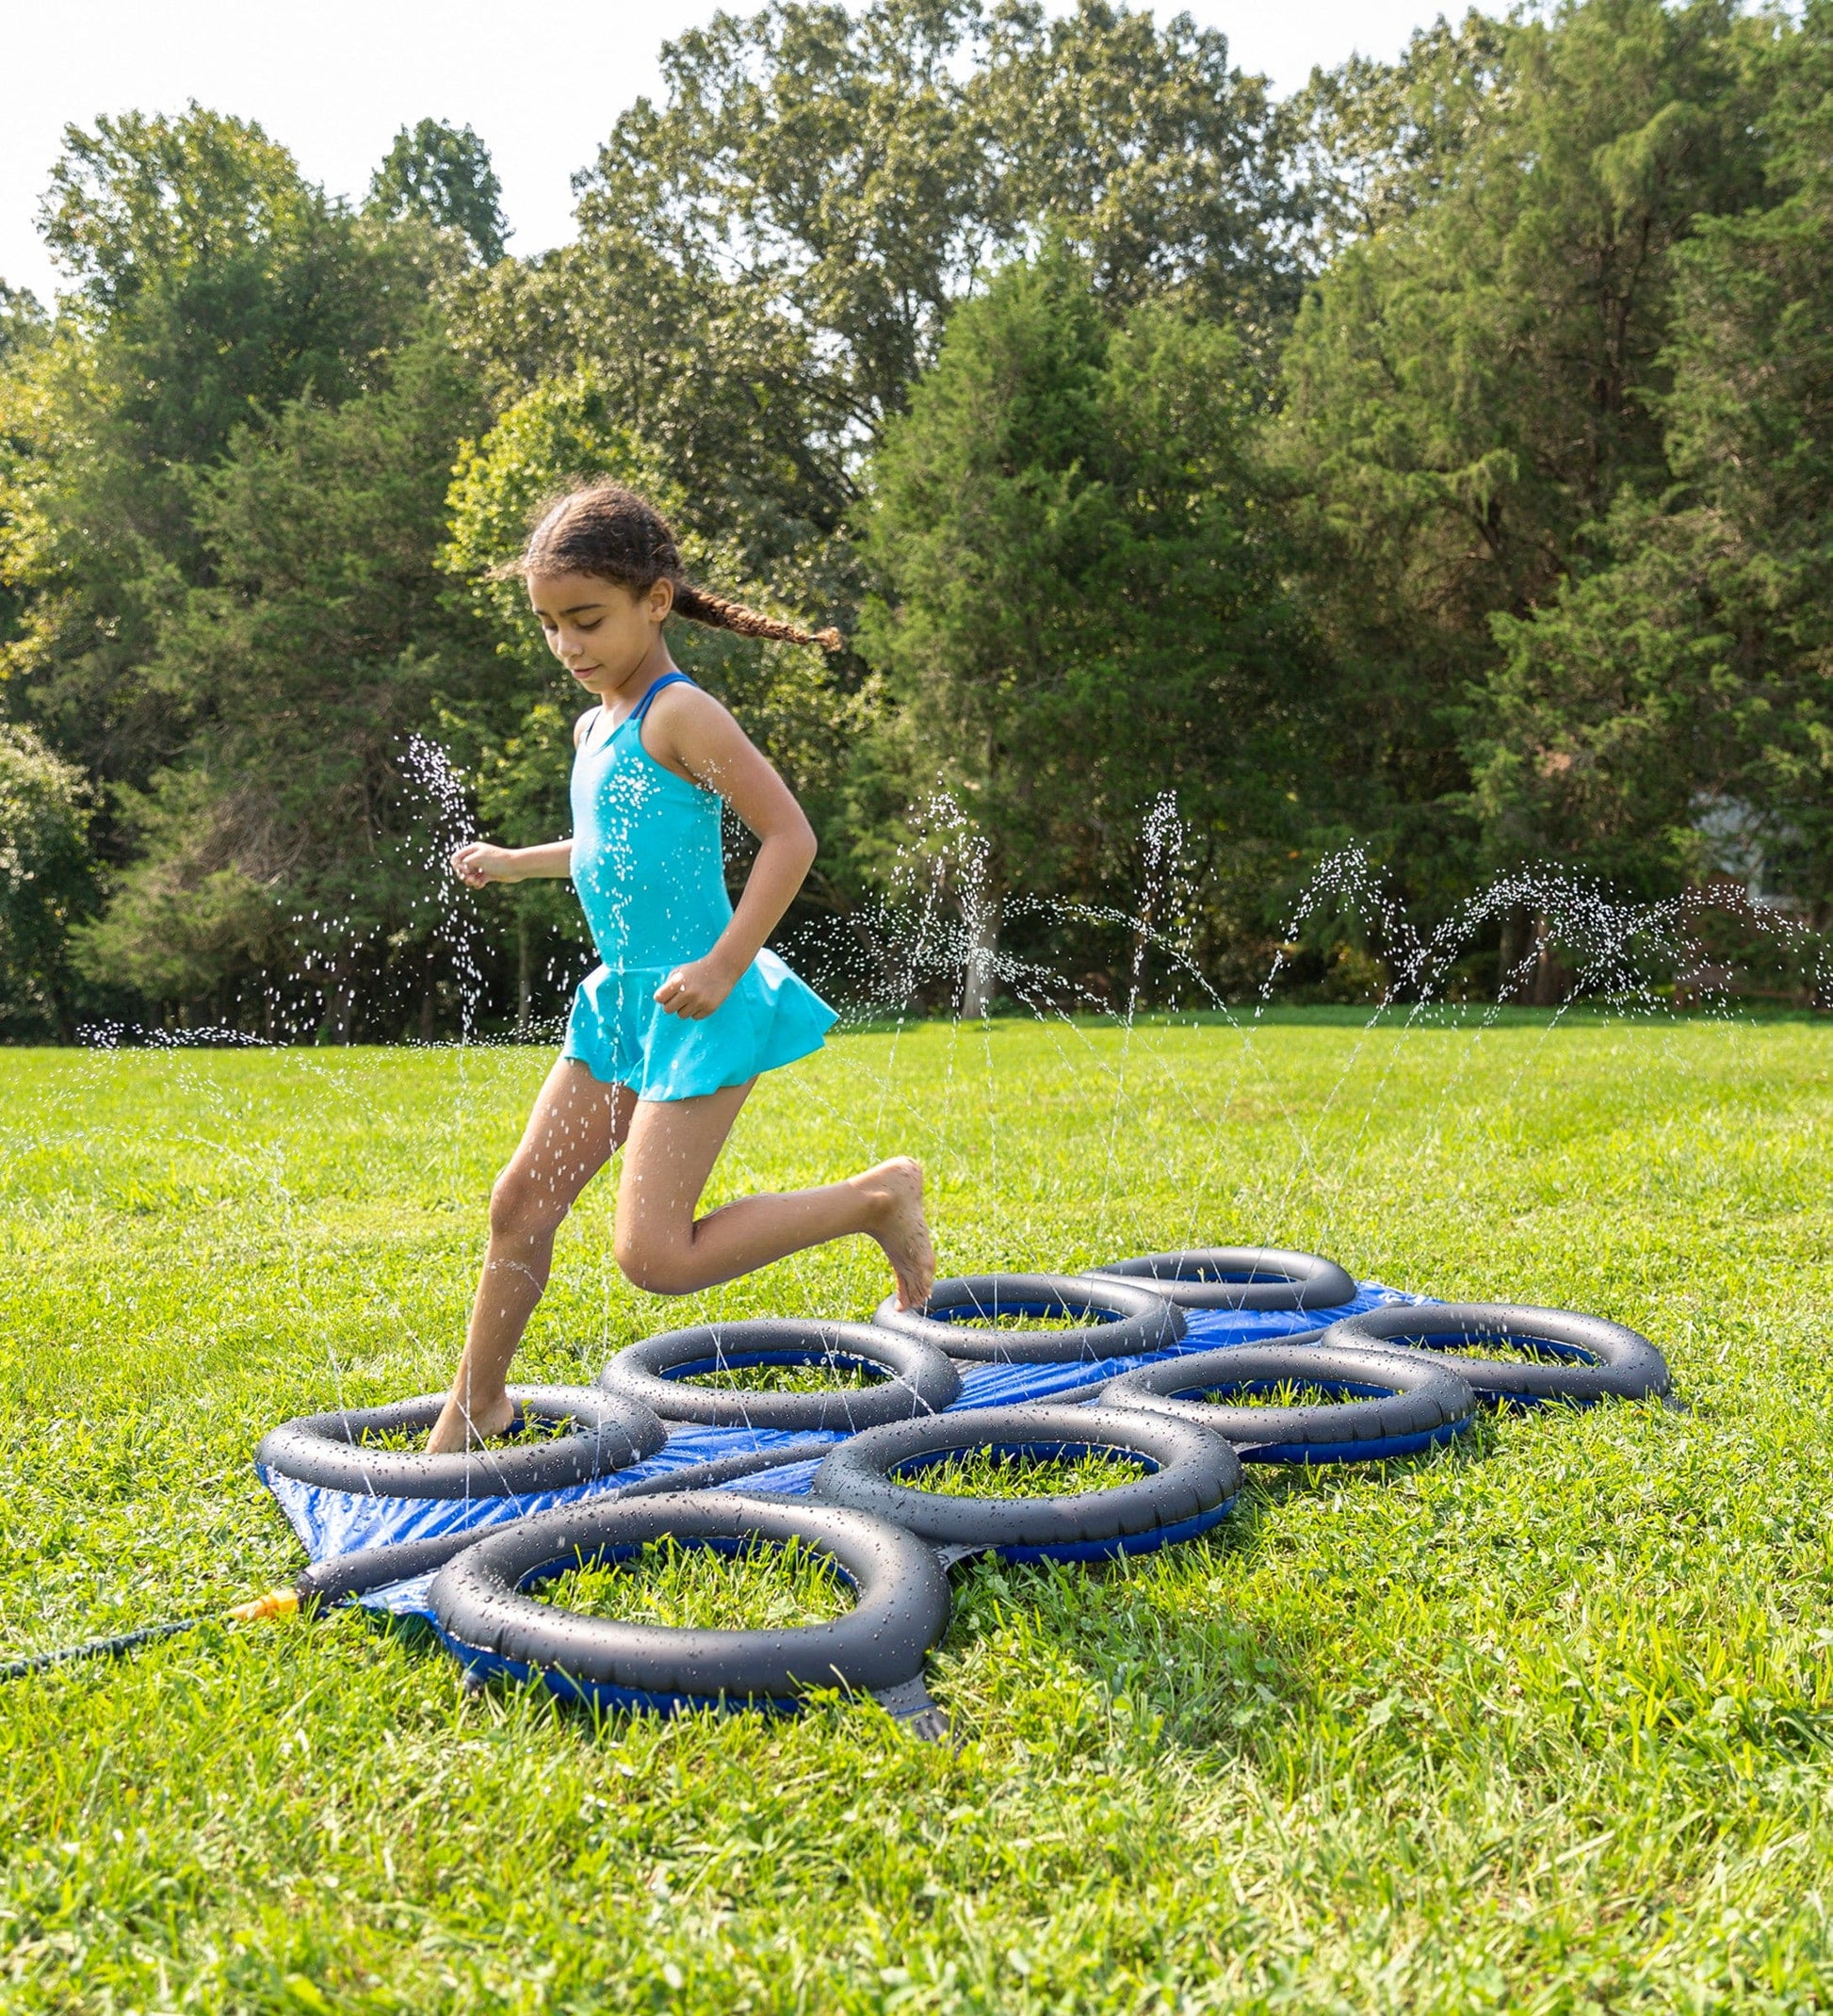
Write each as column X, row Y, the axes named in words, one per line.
column 443, row 174
column 1438, row 460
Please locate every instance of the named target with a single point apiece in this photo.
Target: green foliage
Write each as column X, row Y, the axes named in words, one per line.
column 215, row 285
column 1685, row 665
column 318, row 646
column 21, row 319
column 1376, row 142
column 1145, row 150
column 444, row 174
column 46, row 882
column 1537, row 1723
column 217, row 277
column 1083, row 603
column 859, row 163
column 1475, row 380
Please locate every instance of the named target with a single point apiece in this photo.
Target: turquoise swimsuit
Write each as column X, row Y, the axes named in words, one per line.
column 651, row 877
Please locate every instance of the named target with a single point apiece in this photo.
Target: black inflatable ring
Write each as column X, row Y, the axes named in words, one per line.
column 1395, row 1402
column 1239, row 1278
column 1194, row 1478
column 919, row 1378
column 1127, row 1320
column 1602, row 1360
column 482, row 1606
column 608, row 1433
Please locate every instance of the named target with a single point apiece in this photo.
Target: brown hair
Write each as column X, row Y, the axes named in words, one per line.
column 612, row 534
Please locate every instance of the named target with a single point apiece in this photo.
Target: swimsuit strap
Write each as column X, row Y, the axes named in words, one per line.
column 641, row 707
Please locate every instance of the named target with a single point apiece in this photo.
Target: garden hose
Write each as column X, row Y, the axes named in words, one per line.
column 327, row 1585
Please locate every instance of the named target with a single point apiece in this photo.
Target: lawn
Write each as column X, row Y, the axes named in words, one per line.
column 1541, row 1723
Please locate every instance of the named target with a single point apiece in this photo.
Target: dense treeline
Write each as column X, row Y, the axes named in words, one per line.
column 1441, row 460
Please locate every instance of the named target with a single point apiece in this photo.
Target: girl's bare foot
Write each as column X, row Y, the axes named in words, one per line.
column 896, row 1188
column 453, row 1434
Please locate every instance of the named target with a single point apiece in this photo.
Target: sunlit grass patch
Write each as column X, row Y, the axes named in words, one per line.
column 529, row 1428
column 1275, row 1394
column 1543, row 1721
column 1525, row 1350
column 828, row 1375
column 1020, row 1319
column 989, row 1473
column 762, row 1587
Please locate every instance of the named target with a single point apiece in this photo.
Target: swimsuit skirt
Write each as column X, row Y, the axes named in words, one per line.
column 650, row 874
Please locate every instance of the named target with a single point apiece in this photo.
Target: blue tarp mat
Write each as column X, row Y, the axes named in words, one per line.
column 331, row 1523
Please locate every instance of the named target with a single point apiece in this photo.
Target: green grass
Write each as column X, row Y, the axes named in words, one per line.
column 831, row 1376
column 702, row 1589
column 1275, row 1394
column 409, row 1440
column 1540, row 1723
column 1504, row 1350
column 1017, row 1320
column 980, row 1473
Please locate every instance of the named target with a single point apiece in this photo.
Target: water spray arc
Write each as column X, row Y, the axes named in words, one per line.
column 946, row 938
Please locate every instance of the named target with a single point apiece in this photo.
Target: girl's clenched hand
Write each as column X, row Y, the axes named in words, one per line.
column 694, row 990
column 477, row 862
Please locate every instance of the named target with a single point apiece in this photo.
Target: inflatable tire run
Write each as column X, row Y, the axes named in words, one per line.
column 1395, row 1402
column 1238, row 1277
column 607, row 1433
column 919, row 1378
column 1126, row 1320
column 340, row 1578
column 1194, row 1478
column 481, row 1604
column 1601, row 1360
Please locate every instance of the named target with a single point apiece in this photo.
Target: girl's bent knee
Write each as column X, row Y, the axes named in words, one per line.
column 656, row 1271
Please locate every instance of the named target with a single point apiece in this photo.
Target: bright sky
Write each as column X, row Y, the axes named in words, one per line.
column 334, row 80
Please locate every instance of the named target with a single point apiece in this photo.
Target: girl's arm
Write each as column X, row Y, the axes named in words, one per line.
column 692, row 735
column 477, row 862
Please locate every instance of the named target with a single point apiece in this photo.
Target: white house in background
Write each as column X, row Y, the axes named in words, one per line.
column 1735, row 831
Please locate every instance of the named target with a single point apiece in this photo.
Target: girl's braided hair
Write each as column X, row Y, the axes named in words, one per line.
column 612, row 534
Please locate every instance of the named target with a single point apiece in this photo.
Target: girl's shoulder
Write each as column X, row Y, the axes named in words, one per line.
column 690, row 732
column 684, row 715
column 582, row 727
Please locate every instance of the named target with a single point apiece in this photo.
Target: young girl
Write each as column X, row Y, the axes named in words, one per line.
column 667, row 1036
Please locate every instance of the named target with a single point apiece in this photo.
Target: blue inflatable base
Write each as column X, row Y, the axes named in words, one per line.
column 332, row 1524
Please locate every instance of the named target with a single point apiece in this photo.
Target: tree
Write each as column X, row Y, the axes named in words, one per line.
column 444, row 175
column 1677, row 682
column 214, row 285
column 1371, row 143
column 282, row 847
column 1146, row 152
column 856, row 168
column 46, row 884
column 22, row 320
column 1473, row 384
column 1083, row 606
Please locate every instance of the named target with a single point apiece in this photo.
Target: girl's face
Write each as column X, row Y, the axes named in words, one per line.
column 603, row 634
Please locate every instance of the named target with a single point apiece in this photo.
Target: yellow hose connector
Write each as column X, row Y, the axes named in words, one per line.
column 260, row 1609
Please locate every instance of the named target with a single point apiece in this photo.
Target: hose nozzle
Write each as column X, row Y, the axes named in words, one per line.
column 261, row 1609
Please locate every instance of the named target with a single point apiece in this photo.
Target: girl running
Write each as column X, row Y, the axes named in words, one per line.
column 667, row 1036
